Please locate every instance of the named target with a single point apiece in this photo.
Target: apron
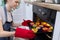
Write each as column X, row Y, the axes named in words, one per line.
column 6, row 26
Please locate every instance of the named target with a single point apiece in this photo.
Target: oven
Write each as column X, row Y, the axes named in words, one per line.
column 42, row 14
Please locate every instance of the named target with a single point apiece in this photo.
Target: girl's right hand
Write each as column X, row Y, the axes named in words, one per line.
column 23, row 33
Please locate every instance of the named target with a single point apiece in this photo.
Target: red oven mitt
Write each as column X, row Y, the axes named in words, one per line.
column 25, row 22
column 23, row 33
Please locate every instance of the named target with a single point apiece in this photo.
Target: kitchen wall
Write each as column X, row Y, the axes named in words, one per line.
column 19, row 14
column 0, row 2
column 29, row 10
column 23, row 12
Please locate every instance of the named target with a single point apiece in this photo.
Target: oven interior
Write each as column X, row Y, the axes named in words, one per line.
column 44, row 15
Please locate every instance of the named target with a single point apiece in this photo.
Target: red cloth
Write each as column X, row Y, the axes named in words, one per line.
column 25, row 23
column 23, row 33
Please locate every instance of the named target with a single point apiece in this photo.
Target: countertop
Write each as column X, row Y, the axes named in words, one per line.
column 46, row 5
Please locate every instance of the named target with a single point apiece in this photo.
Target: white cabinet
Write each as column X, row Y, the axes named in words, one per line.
column 56, row 35
column 29, row 10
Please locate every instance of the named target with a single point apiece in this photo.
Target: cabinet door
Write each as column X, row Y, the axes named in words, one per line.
column 56, row 33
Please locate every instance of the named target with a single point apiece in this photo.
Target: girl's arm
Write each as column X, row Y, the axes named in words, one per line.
column 16, row 24
column 5, row 33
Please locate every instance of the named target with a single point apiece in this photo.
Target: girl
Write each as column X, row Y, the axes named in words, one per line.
column 6, row 22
